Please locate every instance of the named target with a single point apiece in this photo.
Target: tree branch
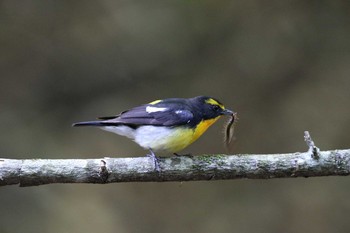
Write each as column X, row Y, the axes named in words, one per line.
column 30, row 172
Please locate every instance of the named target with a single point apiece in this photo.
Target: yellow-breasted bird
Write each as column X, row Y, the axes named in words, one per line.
column 164, row 125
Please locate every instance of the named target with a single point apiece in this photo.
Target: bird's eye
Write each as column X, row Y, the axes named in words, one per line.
column 216, row 108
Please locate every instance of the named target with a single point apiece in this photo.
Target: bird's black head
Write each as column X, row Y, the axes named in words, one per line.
column 209, row 107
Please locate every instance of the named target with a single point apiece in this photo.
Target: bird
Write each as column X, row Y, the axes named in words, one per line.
column 168, row 125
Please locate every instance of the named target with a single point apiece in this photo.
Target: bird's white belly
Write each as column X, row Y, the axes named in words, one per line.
column 121, row 130
column 163, row 138
column 157, row 138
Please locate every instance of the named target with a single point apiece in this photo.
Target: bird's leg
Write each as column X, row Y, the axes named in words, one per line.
column 155, row 160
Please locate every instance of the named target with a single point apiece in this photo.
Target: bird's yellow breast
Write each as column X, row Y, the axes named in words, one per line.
column 186, row 136
column 202, row 127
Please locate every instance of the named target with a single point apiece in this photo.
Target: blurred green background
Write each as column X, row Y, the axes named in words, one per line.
column 284, row 66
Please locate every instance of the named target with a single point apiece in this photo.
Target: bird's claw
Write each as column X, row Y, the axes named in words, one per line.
column 155, row 161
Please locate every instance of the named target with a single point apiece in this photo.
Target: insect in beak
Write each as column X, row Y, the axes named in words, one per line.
column 230, row 127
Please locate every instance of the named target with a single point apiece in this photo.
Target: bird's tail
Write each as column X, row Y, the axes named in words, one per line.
column 89, row 123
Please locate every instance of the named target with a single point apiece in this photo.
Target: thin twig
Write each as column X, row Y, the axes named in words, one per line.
column 314, row 150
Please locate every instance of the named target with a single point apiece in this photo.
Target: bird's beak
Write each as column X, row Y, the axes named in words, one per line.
column 227, row 112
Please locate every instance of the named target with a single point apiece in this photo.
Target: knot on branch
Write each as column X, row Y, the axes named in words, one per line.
column 103, row 171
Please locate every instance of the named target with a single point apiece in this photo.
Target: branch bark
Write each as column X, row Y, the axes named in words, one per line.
column 31, row 172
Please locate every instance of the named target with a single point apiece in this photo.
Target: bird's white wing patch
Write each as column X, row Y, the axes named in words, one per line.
column 151, row 109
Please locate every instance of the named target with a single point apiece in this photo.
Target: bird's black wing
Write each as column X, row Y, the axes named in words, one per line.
column 151, row 115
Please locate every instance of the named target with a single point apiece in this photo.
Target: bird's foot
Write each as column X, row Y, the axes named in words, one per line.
column 155, row 161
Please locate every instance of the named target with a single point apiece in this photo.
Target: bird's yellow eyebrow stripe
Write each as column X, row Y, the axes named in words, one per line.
column 155, row 102
column 214, row 102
